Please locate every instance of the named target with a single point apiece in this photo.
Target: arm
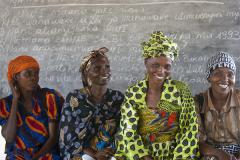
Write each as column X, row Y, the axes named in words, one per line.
column 53, row 106
column 73, row 129
column 187, row 137
column 51, row 141
column 206, row 149
column 128, row 132
column 10, row 128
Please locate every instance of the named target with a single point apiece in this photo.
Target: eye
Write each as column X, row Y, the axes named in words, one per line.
column 230, row 74
column 27, row 73
column 168, row 66
column 108, row 66
column 216, row 73
column 97, row 68
column 155, row 65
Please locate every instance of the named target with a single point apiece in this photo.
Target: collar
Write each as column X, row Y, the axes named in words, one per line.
column 165, row 96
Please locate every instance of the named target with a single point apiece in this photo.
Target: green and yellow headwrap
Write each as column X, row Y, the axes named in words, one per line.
column 159, row 44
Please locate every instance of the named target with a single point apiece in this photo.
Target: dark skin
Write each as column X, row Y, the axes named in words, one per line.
column 98, row 76
column 222, row 80
column 23, row 87
column 158, row 69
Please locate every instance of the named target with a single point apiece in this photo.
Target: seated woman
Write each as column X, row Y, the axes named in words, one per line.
column 219, row 110
column 91, row 114
column 158, row 114
column 30, row 115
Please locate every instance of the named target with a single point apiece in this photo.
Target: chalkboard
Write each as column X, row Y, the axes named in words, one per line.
column 60, row 33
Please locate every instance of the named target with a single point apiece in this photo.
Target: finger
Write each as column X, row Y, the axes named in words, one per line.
column 108, row 151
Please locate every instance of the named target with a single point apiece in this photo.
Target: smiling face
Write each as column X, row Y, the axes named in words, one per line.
column 222, row 80
column 158, row 68
column 99, row 71
column 28, row 79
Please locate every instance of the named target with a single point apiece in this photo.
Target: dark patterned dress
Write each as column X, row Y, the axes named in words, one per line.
column 32, row 128
column 167, row 132
column 84, row 124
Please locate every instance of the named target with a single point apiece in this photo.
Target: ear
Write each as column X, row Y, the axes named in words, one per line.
column 145, row 61
column 15, row 77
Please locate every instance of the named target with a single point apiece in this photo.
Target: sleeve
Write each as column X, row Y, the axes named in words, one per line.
column 202, row 133
column 54, row 103
column 187, row 137
column 128, row 141
column 4, row 112
column 73, row 130
column 117, row 103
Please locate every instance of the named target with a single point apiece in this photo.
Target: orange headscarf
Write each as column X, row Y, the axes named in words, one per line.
column 21, row 63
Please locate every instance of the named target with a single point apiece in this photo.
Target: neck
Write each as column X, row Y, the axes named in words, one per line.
column 218, row 100
column 26, row 95
column 153, row 86
column 97, row 92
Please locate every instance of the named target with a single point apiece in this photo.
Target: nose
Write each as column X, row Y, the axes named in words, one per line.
column 34, row 76
column 105, row 71
column 224, row 77
column 160, row 70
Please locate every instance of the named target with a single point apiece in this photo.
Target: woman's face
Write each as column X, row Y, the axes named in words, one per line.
column 99, row 71
column 222, row 80
column 28, row 79
column 158, row 68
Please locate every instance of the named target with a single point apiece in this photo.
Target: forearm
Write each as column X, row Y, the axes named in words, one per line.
column 46, row 147
column 10, row 128
column 91, row 152
column 206, row 149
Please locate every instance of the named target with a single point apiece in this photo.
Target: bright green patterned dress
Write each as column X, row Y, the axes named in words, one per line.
column 168, row 132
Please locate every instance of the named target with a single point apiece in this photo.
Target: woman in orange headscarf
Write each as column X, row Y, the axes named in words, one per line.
column 29, row 116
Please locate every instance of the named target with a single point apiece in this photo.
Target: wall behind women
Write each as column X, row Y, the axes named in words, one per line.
column 60, row 33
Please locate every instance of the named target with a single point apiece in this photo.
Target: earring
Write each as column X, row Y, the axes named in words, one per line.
column 89, row 82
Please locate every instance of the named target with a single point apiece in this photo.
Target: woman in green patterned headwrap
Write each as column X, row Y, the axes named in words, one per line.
column 158, row 115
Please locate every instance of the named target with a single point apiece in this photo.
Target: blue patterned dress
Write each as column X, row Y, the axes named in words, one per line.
column 84, row 124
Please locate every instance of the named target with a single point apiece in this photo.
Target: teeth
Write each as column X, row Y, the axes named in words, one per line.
column 159, row 77
column 223, row 86
column 104, row 77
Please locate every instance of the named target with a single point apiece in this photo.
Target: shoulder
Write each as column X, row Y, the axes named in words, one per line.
column 237, row 92
column 51, row 91
column 53, row 94
column 115, row 93
column 179, row 84
column 77, row 93
column 7, row 99
column 139, row 86
column 5, row 105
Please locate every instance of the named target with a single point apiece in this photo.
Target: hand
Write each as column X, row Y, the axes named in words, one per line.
column 15, row 89
column 147, row 157
column 104, row 154
column 224, row 156
column 109, row 151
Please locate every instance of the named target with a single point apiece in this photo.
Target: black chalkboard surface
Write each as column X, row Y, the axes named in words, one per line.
column 59, row 33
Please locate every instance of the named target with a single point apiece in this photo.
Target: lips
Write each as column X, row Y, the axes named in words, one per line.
column 104, row 77
column 159, row 77
column 223, row 86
